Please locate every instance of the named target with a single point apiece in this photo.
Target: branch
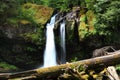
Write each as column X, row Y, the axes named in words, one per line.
column 108, row 60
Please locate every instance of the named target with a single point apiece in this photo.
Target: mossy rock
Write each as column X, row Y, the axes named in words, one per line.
column 86, row 26
column 91, row 20
column 33, row 13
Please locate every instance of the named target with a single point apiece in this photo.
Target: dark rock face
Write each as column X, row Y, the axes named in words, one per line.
column 72, row 38
column 17, row 51
column 15, row 32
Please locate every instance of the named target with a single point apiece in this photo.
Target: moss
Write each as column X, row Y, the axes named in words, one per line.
column 30, row 14
column 91, row 20
column 40, row 14
column 37, row 37
column 24, row 22
column 82, row 30
column 83, row 18
column 32, row 37
column 87, row 21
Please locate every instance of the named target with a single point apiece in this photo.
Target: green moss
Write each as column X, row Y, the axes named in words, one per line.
column 34, row 13
column 30, row 14
column 86, row 27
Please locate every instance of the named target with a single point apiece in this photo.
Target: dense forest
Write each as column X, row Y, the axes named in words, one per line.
column 23, row 27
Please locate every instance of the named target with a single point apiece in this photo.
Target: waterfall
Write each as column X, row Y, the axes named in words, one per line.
column 50, row 51
column 62, row 37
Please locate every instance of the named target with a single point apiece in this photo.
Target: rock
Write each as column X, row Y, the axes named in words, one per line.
column 22, row 44
column 86, row 26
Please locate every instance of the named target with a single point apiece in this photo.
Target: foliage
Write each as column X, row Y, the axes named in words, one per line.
column 63, row 5
column 7, row 9
column 59, row 4
column 106, row 22
column 30, row 49
column 107, row 18
column 27, row 13
column 31, row 36
column 11, row 10
column 12, row 21
column 87, row 22
column 35, row 37
column 7, row 66
column 75, row 59
column 118, row 67
column 15, row 11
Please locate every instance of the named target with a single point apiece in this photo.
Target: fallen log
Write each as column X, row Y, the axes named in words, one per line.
column 107, row 60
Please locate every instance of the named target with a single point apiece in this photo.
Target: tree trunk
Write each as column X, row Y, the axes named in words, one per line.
column 107, row 60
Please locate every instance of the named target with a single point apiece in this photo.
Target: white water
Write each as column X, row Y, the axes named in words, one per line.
column 62, row 37
column 50, row 52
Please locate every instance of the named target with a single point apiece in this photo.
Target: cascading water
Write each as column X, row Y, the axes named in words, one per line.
column 62, row 37
column 50, row 51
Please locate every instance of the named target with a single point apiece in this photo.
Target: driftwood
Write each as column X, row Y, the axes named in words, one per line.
column 107, row 60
